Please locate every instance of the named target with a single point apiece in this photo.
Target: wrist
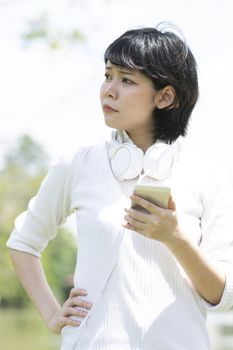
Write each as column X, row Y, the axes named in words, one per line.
column 51, row 320
column 177, row 243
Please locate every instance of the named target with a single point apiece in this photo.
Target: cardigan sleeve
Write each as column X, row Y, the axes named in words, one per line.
column 46, row 211
column 217, row 232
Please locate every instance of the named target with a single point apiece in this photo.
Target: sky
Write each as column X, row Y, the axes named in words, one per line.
column 54, row 95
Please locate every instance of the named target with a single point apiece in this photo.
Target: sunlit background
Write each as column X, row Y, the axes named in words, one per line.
column 51, row 66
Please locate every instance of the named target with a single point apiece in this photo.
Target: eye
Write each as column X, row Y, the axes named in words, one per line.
column 128, row 81
column 107, row 76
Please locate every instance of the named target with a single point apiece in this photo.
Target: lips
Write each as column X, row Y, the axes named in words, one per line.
column 108, row 108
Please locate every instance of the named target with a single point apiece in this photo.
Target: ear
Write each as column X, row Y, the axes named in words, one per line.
column 166, row 97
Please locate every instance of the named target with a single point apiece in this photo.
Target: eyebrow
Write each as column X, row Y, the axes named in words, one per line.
column 122, row 70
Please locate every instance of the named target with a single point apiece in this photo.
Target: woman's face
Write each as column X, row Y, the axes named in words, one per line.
column 128, row 99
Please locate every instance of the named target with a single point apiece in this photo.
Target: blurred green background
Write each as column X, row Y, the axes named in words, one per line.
column 23, row 168
column 23, row 329
column 24, row 164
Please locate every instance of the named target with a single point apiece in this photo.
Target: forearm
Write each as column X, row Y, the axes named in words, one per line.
column 31, row 274
column 162, row 225
column 207, row 278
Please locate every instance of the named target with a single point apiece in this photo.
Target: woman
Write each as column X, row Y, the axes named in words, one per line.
column 151, row 278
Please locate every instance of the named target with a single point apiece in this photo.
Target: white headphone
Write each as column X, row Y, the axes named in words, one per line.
column 128, row 161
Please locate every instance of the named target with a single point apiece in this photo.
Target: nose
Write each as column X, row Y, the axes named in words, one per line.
column 110, row 89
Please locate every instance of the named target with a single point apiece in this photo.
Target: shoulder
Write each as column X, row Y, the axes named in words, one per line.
column 203, row 169
column 66, row 166
column 86, row 154
column 200, row 160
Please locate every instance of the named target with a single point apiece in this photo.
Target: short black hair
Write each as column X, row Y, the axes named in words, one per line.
column 164, row 57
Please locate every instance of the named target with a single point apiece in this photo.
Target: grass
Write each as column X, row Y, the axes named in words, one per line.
column 24, row 330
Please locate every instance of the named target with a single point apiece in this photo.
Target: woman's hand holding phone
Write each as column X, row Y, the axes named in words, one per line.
column 151, row 220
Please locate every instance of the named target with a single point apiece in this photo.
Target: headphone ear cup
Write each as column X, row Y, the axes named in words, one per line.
column 159, row 160
column 126, row 161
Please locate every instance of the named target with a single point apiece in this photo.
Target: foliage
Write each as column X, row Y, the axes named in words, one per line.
column 24, row 168
column 40, row 29
column 59, row 262
column 27, row 155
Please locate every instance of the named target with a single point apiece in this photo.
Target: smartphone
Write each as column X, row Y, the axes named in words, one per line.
column 155, row 194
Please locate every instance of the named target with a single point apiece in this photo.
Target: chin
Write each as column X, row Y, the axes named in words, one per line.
column 112, row 124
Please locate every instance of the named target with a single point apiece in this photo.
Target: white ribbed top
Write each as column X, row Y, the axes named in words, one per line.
column 142, row 299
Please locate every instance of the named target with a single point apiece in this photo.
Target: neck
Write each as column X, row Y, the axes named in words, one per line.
column 142, row 140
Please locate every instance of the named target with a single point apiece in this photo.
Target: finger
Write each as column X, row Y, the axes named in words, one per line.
column 134, row 223
column 70, row 322
column 77, row 292
column 138, row 215
column 74, row 311
column 129, row 227
column 151, row 207
column 146, row 218
column 171, row 204
column 80, row 303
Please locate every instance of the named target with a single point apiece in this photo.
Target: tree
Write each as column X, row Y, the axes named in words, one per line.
column 24, row 168
column 40, row 29
column 27, row 155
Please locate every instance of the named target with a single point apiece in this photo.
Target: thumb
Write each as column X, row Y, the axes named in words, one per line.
column 171, row 204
